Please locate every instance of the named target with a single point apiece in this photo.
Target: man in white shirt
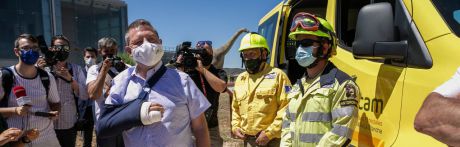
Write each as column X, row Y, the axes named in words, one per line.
column 99, row 80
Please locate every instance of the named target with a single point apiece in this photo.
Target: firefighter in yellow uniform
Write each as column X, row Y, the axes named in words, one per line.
column 260, row 96
column 323, row 103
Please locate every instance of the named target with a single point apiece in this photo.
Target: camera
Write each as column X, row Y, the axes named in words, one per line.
column 49, row 55
column 60, row 53
column 188, row 55
column 117, row 63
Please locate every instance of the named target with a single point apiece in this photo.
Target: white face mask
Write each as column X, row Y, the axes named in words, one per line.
column 148, row 53
column 90, row 61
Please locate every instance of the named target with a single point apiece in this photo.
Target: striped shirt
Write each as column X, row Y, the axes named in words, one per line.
column 68, row 113
column 36, row 91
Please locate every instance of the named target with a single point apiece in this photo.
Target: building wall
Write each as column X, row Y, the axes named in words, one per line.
column 17, row 17
column 82, row 21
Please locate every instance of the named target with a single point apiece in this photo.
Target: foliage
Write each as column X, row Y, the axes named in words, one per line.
column 126, row 58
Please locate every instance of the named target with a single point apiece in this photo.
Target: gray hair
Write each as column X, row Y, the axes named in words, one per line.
column 137, row 24
column 106, row 42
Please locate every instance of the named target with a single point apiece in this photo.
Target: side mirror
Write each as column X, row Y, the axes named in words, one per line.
column 376, row 34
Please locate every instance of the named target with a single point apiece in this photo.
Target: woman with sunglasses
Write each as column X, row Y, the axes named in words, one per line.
column 323, row 103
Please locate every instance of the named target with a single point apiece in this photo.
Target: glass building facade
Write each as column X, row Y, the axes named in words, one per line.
column 84, row 22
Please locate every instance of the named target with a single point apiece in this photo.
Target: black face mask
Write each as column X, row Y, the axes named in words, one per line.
column 253, row 65
column 61, row 55
column 206, row 59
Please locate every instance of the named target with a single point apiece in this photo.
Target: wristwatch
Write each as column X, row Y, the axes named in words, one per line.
column 25, row 140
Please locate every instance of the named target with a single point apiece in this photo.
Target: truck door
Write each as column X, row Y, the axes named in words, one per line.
column 380, row 80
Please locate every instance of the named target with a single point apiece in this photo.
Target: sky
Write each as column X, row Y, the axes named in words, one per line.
column 195, row 20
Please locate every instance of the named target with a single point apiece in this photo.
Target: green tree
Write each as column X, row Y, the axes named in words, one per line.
column 126, row 58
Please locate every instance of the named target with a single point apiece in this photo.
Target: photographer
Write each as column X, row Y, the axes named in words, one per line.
column 70, row 81
column 99, row 80
column 210, row 81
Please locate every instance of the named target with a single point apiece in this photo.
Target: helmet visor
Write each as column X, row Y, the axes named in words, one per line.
column 306, row 21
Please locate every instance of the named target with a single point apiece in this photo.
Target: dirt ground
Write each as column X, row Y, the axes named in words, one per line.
column 224, row 125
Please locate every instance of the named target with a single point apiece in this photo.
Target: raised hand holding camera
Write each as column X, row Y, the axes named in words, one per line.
column 106, row 64
column 188, row 55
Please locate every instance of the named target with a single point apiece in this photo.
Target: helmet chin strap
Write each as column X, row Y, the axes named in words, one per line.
column 314, row 63
column 319, row 55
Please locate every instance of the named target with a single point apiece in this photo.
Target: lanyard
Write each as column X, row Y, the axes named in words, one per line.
column 202, row 85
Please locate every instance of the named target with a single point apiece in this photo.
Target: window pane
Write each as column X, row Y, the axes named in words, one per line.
column 267, row 29
column 450, row 11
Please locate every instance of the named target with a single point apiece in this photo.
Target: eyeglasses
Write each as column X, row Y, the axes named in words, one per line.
column 307, row 21
column 202, row 43
column 33, row 49
column 307, row 42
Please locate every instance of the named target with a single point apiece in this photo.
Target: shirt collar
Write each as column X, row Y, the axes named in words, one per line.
column 150, row 72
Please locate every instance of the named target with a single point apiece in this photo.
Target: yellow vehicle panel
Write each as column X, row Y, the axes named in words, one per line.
column 416, row 87
column 408, row 4
column 391, row 95
column 381, row 89
column 428, row 21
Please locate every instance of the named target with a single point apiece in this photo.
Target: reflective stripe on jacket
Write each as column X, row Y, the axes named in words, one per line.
column 325, row 114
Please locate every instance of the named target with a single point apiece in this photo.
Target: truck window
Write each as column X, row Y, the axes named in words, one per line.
column 450, row 11
column 267, row 29
column 347, row 16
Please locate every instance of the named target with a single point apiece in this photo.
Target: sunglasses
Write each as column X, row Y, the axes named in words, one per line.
column 65, row 48
column 307, row 42
column 202, row 43
column 306, row 21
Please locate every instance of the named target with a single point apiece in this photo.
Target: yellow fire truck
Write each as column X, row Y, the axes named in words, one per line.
column 400, row 52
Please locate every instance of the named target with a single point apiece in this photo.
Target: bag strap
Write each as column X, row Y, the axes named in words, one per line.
column 151, row 82
column 7, row 84
column 45, row 80
column 75, row 98
column 110, row 72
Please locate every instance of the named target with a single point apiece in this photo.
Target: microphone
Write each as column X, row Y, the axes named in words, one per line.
column 21, row 96
column 24, row 100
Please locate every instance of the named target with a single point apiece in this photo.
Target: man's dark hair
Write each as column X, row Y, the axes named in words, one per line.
column 25, row 36
column 137, row 24
column 61, row 37
column 90, row 49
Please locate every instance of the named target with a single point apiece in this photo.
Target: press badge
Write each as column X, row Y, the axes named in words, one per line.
column 270, row 75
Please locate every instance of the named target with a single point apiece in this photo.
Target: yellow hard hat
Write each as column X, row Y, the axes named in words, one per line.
column 253, row 40
column 308, row 24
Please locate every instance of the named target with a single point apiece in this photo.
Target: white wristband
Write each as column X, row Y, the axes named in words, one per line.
column 147, row 117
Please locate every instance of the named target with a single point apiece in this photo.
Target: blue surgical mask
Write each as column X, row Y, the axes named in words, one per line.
column 304, row 55
column 29, row 57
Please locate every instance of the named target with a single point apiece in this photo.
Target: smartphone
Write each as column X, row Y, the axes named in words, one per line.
column 44, row 114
